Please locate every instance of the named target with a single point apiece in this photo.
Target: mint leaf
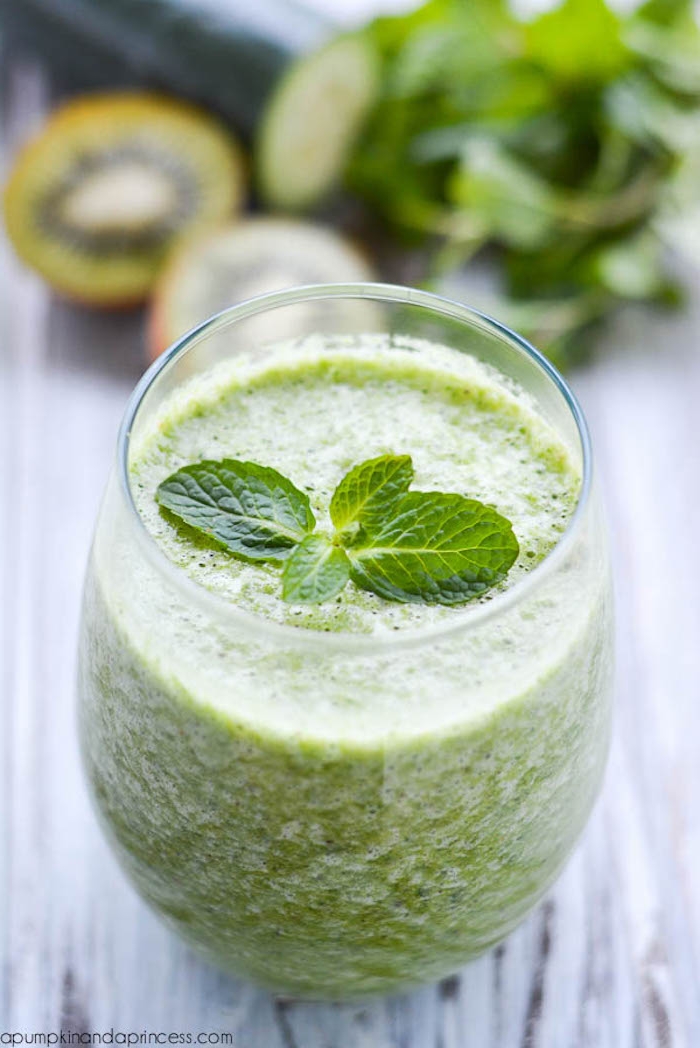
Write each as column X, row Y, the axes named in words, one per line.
column 515, row 203
column 370, row 488
column 316, row 571
column 434, row 548
column 253, row 511
column 579, row 40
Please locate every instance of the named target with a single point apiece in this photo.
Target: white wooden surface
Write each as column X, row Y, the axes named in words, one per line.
column 612, row 958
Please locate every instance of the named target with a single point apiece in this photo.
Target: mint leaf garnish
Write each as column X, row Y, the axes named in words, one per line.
column 434, row 548
column 316, row 571
column 410, row 546
column 252, row 511
column 370, row 489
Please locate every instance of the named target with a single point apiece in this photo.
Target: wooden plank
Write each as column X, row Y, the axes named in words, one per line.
column 640, row 400
column 27, row 892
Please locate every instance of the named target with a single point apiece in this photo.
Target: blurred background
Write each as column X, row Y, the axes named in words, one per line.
column 164, row 159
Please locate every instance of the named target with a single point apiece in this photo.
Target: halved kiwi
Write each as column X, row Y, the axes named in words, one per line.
column 97, row 201
column 248, row 258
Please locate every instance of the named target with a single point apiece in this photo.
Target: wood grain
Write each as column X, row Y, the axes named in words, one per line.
column 610, row 960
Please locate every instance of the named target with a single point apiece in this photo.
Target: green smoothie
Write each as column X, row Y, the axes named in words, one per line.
column 359, row 795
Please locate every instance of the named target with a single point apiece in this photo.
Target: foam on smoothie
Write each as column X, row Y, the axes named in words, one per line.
column 313, row 410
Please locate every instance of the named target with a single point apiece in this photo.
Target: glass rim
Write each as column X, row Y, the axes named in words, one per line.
column 466, row 617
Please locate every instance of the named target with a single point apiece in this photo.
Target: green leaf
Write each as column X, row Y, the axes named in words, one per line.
column 648, row 116
column 370, row 489
column 664, row 12
column 432, row 56
column 316, row 571
column 483, row 21
column 579, row 40
column 433, row 548
column 514, row 203
column 633, row 268
column 253, row 511
column 672, row 52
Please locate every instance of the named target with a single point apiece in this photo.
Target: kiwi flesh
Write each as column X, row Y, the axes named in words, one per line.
column 111, row 185
column 247, row 258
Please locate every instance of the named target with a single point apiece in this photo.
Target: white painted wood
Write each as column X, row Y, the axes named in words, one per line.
column 612, row 958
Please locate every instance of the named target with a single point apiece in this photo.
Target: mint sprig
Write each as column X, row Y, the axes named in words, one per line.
column 410, row 546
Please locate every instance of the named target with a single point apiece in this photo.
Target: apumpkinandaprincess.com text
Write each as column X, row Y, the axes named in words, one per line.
column 116, row 1037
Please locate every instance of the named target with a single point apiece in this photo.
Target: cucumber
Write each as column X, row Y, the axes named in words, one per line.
column 226, row 266
column 226, row 55
column 312, row 120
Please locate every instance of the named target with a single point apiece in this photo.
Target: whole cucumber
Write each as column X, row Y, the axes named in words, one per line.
column 226, row 55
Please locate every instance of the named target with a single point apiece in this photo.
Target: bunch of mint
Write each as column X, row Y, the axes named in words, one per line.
column 557, row 143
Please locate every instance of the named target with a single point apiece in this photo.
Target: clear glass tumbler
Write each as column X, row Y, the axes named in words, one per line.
column 333, row 867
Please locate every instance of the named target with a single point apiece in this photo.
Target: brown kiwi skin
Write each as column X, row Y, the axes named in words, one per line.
column 156, row 341
column 74, row 113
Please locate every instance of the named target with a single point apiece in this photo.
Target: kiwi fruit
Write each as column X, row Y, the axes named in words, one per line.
column 222, row 267
column 97, row 201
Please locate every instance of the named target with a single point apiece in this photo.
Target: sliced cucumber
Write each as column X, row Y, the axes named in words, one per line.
column 312, row 120
column 245, row 259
